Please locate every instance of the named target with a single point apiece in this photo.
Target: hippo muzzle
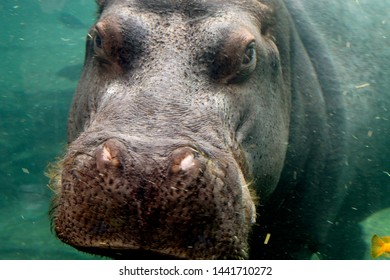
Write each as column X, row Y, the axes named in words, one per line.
column 126, row 204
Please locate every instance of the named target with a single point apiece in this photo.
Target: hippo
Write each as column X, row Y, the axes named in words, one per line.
column 202, row 130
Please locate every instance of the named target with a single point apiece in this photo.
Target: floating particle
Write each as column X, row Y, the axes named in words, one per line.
column 267, row 238
column 362, row 86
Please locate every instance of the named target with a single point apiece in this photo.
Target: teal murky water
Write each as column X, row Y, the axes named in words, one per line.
column 39, row 39
column 41, row 50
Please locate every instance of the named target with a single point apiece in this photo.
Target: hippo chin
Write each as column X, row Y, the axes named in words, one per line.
column 197, row 128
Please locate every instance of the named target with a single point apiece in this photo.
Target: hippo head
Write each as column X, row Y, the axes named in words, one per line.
column 179, row 122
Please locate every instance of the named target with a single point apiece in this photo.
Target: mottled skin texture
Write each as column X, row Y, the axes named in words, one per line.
column 187, row 117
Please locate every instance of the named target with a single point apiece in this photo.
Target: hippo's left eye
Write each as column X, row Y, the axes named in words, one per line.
column 249, row 55
column 234, row 59
column 248, row 64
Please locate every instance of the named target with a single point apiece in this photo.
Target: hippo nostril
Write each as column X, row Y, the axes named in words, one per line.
column 183, row 159
column 187, row 162
column 108, row 155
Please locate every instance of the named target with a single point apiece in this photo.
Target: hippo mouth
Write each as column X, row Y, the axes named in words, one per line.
column 183, row 204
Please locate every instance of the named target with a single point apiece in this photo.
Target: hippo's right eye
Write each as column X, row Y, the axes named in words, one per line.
column 99, row 48
column 98, row 43
column 106, row 48
column 97, row 40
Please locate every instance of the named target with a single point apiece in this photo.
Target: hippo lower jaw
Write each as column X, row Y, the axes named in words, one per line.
column 120, row 204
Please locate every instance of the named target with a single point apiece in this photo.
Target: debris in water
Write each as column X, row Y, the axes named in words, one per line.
column 387, row 173
column 267, row 238
column 362, row 86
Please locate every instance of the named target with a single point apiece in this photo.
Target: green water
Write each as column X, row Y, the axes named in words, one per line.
column 41, row 50
column 34, row 99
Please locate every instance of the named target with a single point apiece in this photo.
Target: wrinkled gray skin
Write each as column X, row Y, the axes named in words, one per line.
column 197, row 128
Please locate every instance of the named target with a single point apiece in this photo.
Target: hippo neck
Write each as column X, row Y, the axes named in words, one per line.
column 311, row 181
column 318, row 100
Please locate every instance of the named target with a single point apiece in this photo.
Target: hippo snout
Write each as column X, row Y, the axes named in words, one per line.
column 177, row 203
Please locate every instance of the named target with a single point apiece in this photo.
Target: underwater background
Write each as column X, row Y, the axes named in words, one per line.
column 41, row 55
column 42, row 51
